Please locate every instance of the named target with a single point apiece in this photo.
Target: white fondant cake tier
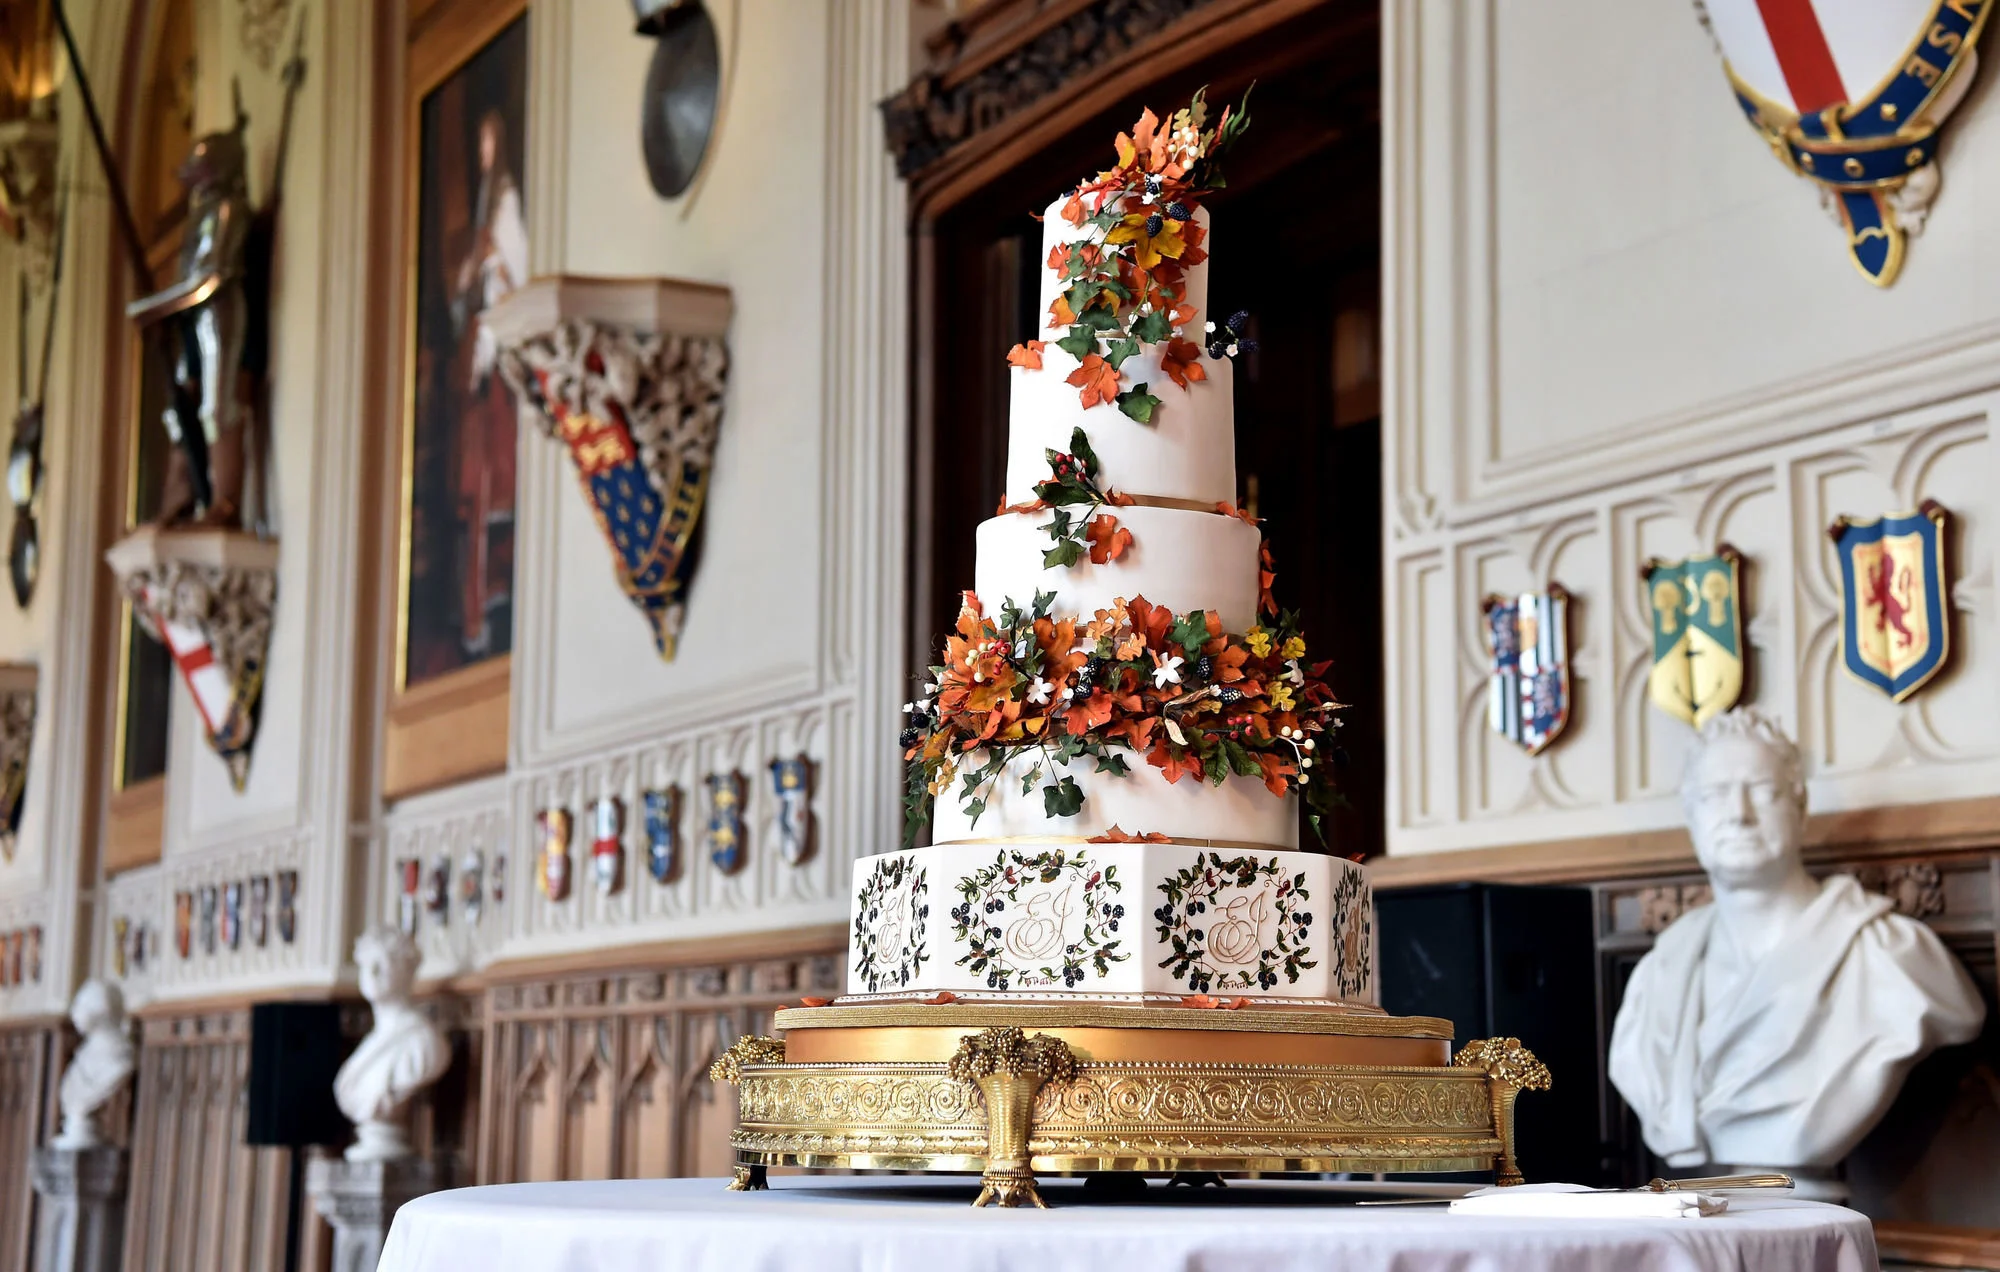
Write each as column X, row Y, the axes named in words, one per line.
column 1187, row 451
column 1117, row 922
column 1182, row 560
column 1057, row 230
column 1241, row 811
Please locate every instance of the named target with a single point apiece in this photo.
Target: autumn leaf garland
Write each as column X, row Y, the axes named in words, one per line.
column 1190, row 699
column 1124, row 282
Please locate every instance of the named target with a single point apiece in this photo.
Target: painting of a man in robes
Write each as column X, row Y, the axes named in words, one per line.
column 472, row 250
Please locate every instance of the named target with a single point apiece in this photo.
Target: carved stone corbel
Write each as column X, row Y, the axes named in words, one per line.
column 17, row 736
column 1009, row 1068
column 629, row 374
column 1510, row 1069
column 208, row 596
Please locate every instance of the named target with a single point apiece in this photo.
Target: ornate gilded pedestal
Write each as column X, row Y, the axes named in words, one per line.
column 1009, row 1092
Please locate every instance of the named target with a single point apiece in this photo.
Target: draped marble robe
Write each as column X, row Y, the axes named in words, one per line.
column 1791, row 1059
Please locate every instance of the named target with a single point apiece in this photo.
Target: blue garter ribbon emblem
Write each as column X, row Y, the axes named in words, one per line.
column 1854, row 106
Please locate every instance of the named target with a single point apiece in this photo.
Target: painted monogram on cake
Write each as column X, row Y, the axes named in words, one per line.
column 889, row 922
column 1235, row 923
column 1039, row 920
column 1353, row 937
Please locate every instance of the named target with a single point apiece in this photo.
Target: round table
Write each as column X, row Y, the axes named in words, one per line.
column 905, row 1224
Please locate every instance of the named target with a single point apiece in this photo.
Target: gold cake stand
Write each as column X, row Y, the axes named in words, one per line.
column 1010, row 1091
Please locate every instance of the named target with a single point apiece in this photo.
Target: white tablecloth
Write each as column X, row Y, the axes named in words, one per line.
column 915, row 1225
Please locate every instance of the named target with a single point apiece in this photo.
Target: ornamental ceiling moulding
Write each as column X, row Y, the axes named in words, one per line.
column 1003, row 58
column 1852, row 95
column 629, row 374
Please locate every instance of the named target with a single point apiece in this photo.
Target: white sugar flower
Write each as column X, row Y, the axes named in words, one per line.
column 1021, row 648
column 1039, row 692
column 1167, row 671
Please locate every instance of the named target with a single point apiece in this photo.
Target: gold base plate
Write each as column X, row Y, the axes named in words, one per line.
column 959, row 1088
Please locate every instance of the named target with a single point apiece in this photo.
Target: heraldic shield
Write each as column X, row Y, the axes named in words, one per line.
column 1851, row 94
column 1697, row 619
column 1528, row 694
column 1896, row 610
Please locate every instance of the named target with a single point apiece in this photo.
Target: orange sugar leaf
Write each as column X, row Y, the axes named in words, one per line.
column 1027, row 355
column 1108, row 540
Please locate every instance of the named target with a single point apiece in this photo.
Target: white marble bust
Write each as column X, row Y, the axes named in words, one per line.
column 402, row 1054
column 1775, row 1026
column 99, row 1067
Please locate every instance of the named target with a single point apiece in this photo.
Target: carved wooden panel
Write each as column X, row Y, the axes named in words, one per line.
column 1458, row 785
column 605, row 1076
column 200, row 1197
column 29, row 1061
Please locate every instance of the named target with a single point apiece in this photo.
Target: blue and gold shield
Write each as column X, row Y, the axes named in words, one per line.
column 663, row 833
column 1527, row 637
column 1696, row 611
column 1896, row 608
column 791, row 782
column 725, row 821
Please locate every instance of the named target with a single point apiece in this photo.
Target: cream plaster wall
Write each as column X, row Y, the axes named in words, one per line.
column 1616, row 327
column 798, row 212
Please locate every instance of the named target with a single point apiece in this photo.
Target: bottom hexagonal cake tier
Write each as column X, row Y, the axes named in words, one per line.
column 1011, row 1091
column 1134, row 922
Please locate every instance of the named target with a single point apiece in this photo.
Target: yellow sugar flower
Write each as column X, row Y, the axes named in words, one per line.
column 1294, row 648
column 1281, row 696
column 1259, row 641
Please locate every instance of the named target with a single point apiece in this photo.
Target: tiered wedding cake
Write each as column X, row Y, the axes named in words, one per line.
column 1112, row 751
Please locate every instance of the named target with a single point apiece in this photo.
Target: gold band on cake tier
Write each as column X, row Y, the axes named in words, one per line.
column 1052, row 1111
column 1108, row 1034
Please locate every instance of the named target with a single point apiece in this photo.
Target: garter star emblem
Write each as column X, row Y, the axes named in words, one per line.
column 1697, row 622
column 1896, row 611
column 1528, row 692
column 1851, row 94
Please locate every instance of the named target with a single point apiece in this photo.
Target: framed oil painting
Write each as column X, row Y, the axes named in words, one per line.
column 466, row 240
column 472, row 250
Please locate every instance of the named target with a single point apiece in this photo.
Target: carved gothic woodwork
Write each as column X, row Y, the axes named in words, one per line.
column 1005, row 57
column 629, row 375
column 17, row 735
column 208, row 596
column 605, row 1076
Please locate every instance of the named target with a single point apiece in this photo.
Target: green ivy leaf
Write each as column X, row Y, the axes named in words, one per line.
column 1062, row 799
column 1119, row 350
column 1065, row 553
column 1080, row 343
column 1113, row 764
column 1138, row 403
column 1152, row 327
column 1102, row 318
column 1190, row 632
column 973, row 809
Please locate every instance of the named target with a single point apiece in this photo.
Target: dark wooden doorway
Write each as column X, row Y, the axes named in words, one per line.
column 1297, row 246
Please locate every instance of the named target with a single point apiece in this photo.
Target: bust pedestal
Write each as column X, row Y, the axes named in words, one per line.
column 360, row 1199
column 82, row 1225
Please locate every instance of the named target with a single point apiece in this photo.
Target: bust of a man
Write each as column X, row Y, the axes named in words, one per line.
column 99, row 1067
column 1774, row 1027
column 402, row 1054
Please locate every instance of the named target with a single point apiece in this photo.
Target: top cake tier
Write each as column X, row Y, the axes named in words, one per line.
column 1187, row 452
